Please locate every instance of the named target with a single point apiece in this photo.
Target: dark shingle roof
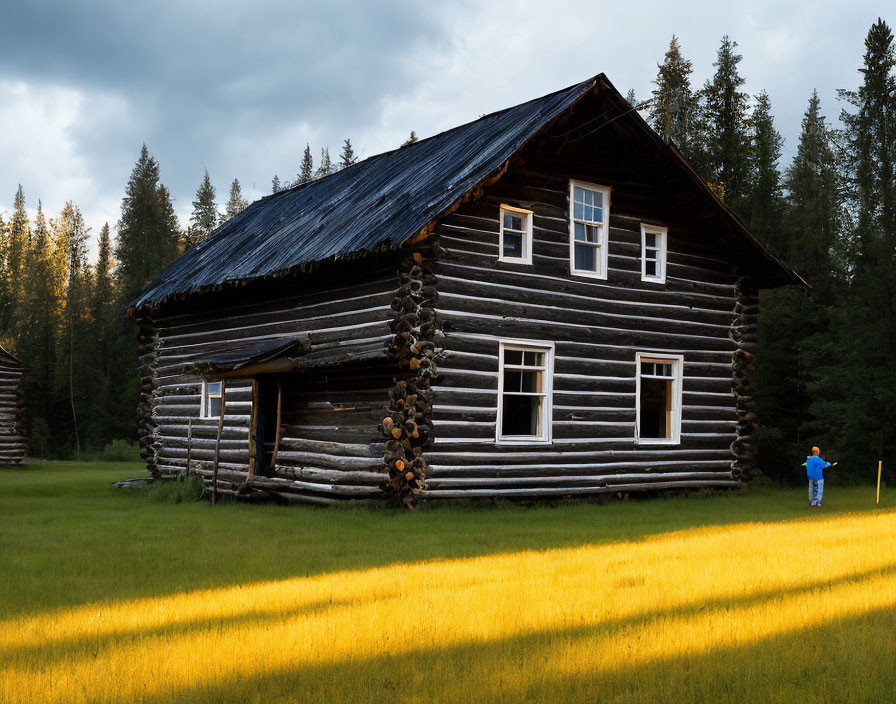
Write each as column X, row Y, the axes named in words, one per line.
column 380, row 202
column 385, row 200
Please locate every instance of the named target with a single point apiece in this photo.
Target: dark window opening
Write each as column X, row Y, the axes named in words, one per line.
column 522, row 416
column 656, row 408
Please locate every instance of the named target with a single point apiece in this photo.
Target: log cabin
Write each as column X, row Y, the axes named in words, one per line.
column 547, row 301
column 13, row 442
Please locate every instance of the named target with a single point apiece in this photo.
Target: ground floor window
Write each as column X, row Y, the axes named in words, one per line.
column 212, row 400
column 658, row 398
column 524, row 391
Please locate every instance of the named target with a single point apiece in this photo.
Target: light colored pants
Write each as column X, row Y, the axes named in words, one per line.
column 816, row 489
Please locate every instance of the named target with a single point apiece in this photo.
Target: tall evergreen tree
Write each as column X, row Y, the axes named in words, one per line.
column 724, row 127
column 147, row 231
column 236, row 204
column 813, row 201
column 37, row 339
column 326, row 166
column 306, row 170
column 148, row 236
column 673, row 113
column 19, row 233
column 858, row 391
column 275, row 184
column 74, row 355
column 102, row 298
column 347, row 158
column 795, row 324
column 104, row 316
column 765, row 199
column 204, row 219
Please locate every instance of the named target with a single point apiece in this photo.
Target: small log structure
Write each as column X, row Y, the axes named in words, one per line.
column 13, row 441
column 358, row 331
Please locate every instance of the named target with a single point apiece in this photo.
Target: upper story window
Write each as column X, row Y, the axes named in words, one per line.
column 653, row 253
column 212, row 399
column 658, row 398
column 524, row 392
column 589, row 219
column 516, row 235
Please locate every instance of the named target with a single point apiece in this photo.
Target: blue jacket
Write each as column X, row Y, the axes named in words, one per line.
column 814, row 465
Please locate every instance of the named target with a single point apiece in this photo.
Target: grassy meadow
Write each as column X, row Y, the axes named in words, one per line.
column 111, row 595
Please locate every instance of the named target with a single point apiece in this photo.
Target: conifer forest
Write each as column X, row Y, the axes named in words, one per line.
column 827, row 373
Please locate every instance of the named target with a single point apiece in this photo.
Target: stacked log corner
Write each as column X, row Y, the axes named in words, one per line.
column 744, row 334
column 408, row 427
column 147, row 342
column 13, row 441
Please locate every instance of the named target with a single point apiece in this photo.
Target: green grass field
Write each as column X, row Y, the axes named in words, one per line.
column 111, row 595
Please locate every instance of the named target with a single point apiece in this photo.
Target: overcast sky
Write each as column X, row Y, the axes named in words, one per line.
column 240, row 87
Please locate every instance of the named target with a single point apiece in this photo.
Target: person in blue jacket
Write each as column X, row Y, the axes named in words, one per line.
column 814, row 467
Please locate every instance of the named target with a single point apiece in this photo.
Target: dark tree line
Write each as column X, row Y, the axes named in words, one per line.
column 827, row 373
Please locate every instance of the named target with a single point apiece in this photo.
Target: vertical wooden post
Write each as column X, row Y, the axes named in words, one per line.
column 189, row 447
column 218, row 442
column 277, row 432
column 253, row 429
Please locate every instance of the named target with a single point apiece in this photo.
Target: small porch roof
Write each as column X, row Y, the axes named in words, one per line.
column 283, row 354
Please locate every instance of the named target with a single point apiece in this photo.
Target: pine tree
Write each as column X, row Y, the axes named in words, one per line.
column 275, row 184
column 858, row 392
column 326, row 166
column 631, row 98
column 74, row 355
column 148, row 232
column 204, row 219
column 673, row 113
column 795, row 328
column 19, row 239
column 813, row 201
column 236, row 204
column 306, row 170
column 37, row 338
column 347, row 158
column 724, row 126
column 765, row 200
column 103, row 297
column 103, row 317
column 410, row 140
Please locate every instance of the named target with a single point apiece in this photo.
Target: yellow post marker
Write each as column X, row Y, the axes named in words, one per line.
column 879, row 463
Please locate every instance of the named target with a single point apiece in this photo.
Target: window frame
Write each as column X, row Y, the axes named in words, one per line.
column 527, row 234
column 677, row 395
column 204, row 411
column 548, row 413
column 603, row 249
column 662, row 234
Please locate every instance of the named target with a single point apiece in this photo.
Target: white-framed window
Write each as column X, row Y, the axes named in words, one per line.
column 653, row 253
column 212, row 400
column 525, row 386
column 516, row 235
column 658, row 398
column 589, row 224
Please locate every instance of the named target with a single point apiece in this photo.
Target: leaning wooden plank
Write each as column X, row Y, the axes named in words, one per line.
column 218, row 444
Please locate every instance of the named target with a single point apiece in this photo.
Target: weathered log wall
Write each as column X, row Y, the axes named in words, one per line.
column 13, row 442
column 329, row 438
column 597, row 327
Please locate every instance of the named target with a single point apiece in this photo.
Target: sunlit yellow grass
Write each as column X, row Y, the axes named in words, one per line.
column 436, row 630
